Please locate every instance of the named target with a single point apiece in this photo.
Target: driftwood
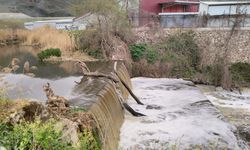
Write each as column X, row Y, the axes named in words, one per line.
column 132, row 111
column 129, row 90
column 86, row 72
column 126, row 86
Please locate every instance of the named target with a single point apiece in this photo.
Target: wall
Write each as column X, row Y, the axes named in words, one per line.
column 212, row 41
column 209, row 40
column 192, row 20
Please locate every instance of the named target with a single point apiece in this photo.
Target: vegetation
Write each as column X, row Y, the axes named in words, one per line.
column 49, row 52
column 35, row 135
column 137, row 51
column 240, row 73
column 144, row 51
column 110, row 27
column 178, row 55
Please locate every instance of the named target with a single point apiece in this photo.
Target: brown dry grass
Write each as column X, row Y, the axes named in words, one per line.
column 47, row 37
column 8, row 34
column 44, row 37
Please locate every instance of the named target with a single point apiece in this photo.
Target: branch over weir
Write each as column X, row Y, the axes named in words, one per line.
column 86, row 72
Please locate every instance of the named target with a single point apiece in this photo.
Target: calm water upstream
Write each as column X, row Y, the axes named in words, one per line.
column 61, row 76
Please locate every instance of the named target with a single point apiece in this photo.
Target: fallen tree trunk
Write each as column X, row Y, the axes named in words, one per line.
column 132, row 111
column 86, row 72
column 99, row 75
column 126, row 86
column 130, row 91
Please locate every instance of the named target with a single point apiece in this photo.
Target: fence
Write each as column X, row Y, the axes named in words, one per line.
column 191, row 21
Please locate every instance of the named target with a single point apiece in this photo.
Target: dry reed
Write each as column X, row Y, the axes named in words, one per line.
column 47, row 37
column 44, row 37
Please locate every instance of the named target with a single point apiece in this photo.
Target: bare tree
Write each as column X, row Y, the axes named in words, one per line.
column 239, row 17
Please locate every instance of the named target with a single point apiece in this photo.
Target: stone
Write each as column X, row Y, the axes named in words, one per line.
column 26, row 67
column 33, row 68
column 245, row 132
column 7, row 70
column 16, row 117
column 15, row 61
column 15, row 68
column 30, row 74
column 154, row 107
column 69, row 130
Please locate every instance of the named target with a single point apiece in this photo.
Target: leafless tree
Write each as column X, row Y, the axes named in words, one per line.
column 239, row 17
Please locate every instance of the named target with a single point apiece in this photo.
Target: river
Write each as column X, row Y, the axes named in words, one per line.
column 178, row 116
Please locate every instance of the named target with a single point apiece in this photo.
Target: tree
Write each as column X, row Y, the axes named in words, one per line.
column 239, row 18
column 112, row 22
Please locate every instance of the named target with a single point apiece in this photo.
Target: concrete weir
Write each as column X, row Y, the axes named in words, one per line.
column 108, row 111
column 178, row 116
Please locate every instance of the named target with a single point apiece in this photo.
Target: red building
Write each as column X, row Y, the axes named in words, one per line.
column 154, row 7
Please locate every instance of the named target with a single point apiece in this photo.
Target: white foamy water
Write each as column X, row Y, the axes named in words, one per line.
column 223, row 98
column 178, row 115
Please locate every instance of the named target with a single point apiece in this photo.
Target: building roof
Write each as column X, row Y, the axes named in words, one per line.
column 225, row 2
column 179, row 13
column 13, row 16
column 56, row 21
column 180, row 2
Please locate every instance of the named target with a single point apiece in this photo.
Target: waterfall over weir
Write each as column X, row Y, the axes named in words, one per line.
column 108, row 112
column 98, row 96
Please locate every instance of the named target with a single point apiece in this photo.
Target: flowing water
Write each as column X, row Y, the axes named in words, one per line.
column 235, row 106
column 178, row 116
column 98, row 96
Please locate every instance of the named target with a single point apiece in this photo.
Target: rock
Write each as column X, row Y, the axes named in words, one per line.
column 28, row 112
column 26, row 67
column 7, row 70
column 84, row 121
column 30, row 74
column 15, row 61
column 15, row 68
column 16, row 117
column 154, row 107
column 33, row 68
column 69, row 130
column 245, row 132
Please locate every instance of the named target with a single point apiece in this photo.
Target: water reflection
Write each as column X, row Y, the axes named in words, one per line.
column 61, row 76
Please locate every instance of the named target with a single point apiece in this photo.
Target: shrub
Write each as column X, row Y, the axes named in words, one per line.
column 35, row 135
column 49, row 52
column 152, row 56
column 43, row 136
column 184, row 44
column 94, row 53
column 137, row 51
column 90, row 141
column 240, row 73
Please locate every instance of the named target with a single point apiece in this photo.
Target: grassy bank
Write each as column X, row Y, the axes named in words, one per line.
column 22, row 127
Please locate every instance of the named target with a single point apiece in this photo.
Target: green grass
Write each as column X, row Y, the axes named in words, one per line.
column 240, row 73
column 43, row 136
column 137, row 51
column 49, row 52
column 35, row 135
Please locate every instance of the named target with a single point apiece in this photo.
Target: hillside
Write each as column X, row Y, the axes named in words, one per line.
column 37, row 8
